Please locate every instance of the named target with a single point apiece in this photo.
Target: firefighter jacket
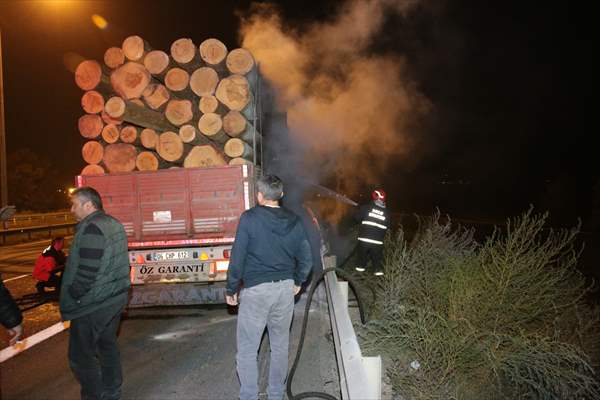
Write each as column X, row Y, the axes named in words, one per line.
column 374, row 223
column 48, row 261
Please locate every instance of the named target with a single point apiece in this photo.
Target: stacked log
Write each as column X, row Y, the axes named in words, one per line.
column 148, row 109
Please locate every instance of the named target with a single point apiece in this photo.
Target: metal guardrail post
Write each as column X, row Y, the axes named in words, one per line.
column 360, row 377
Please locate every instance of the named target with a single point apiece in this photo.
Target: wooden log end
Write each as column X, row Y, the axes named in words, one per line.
column 179, row 112
column 234, row 92
column 114, row 57
column 239, row 61
column 92, row 102
column 133, row 47
column 90, row 126
column 92, row 152
column 128, row 134
column 204, row 156
column 110, row 133
column 88, row 74
column 130, row 80
column 213, row 51
column 115, row 107
column 183, row 50
column 149, row 138
column 177, row 79
column 156, row 62
column 120, row 157
column 234, row 123
column 204, row 81
column 92, row 169
column 169, row 146
column 146, row 161
column 156, row 95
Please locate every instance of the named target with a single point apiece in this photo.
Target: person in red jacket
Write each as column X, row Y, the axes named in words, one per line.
column 49, row 265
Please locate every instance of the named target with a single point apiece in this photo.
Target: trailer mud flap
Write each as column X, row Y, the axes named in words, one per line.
column 176, row 295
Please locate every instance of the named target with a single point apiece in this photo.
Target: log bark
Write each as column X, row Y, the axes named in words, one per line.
column 116, row 107
column 204, row 156
column 119, row 157
column 89, row 76
column 138, row 102
column 130, row 80
column 114, row 57
column 190, row 135
column 149, row 138
column 238, row 148
column 92, row 152
column 134, row 48
column 210, row 104
column 211, row 126
column 179, row 112
column 236, row 125
column 110, row 133
column 213, row 52
column 170, row 147
column 204, row 81
column 148, row 161
column 92, row 102
column 90, row 126
column 234, row 92
column 239, row 161
column 157, row 62
column 92, row 169
column 185, row 53
column 156, row 96
column 130, row 134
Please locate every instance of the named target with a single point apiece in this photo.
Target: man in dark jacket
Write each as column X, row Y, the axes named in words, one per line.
column 10, row 315
column 271, row 258
column 93, row 295
column 374, row 221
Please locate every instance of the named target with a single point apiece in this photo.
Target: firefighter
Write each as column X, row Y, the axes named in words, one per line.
column 49, row 265
column 374, row 222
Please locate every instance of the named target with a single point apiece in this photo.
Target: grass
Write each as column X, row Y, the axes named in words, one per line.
column 506, row 318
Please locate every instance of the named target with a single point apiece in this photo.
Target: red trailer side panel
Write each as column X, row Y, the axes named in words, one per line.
column 184, row 206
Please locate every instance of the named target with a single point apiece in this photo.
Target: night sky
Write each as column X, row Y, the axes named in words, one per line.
column 510, row 85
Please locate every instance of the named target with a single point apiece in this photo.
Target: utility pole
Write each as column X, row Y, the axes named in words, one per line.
column 3, row 175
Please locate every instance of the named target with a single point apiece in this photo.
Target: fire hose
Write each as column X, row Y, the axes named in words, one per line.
column 313, row 287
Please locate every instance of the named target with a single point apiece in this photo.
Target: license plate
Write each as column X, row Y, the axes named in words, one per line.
column 172, row 255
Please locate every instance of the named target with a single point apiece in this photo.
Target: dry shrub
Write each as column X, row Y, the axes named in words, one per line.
column 505, row 319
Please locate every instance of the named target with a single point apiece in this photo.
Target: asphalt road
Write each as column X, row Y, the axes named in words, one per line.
column 174, row 353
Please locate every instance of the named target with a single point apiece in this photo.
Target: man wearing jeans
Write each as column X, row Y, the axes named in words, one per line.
column 94, row 292
column 270, row 258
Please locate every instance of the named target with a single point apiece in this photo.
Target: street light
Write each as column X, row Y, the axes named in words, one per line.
column 3, row 179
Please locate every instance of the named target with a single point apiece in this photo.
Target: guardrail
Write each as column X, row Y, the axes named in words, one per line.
column 29, row 230
column 23, row 220
column 360, row 377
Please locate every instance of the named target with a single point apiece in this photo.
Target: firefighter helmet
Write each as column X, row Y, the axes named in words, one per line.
column 378, row 195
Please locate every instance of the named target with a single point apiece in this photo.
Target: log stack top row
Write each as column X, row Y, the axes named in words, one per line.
column 147, row 109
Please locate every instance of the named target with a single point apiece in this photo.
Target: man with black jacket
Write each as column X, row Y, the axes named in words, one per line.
column 271, row 258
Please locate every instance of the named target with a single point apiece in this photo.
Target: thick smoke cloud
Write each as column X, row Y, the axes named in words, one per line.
column 352, row 109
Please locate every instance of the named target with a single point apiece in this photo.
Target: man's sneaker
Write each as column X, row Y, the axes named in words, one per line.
column 379, row 273
column 359, row 269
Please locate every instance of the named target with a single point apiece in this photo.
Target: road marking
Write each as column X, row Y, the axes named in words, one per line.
column 15, row 278
column 32, row 340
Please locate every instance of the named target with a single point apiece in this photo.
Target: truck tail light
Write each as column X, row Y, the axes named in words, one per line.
column 212, row 270
column 226, row 253
column 222, row 266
